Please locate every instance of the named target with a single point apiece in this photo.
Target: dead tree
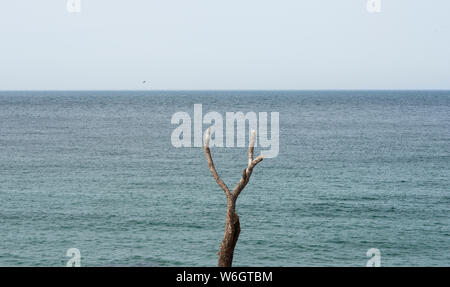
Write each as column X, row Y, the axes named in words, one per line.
column 232, row 226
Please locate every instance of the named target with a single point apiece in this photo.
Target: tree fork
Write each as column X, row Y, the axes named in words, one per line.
column 232, row 225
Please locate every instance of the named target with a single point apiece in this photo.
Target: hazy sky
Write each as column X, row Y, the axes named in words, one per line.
column 224, row 44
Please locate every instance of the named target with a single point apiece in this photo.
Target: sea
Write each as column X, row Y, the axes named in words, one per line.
column 97, row 171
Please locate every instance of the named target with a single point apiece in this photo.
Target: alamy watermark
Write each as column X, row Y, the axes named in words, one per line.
column 73, row 6
column 234, row 129
column 375, row 257
column 373, row 6
column 75, row 260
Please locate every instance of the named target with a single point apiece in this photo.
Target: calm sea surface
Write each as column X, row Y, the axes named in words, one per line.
column 97, row 171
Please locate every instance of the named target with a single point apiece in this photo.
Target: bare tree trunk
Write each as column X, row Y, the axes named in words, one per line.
column 231, row 235
column 232, row 225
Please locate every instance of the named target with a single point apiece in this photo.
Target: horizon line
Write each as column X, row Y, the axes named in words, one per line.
column 212, row 90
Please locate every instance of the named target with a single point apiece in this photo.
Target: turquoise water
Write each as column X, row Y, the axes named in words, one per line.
column 96, row 171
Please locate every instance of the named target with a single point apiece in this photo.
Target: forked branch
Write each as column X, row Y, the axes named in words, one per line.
column 247, row 172
column 232, row 225
column 211, row 166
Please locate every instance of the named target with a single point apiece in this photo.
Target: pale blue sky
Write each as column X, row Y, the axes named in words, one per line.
column 224, row 44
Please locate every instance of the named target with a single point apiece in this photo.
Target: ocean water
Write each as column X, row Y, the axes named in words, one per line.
column 96, row 171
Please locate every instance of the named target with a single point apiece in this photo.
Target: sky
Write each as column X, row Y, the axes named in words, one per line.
column 224, row 44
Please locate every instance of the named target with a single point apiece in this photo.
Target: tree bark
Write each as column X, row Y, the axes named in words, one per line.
column 231, row 235
column 232, row 225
